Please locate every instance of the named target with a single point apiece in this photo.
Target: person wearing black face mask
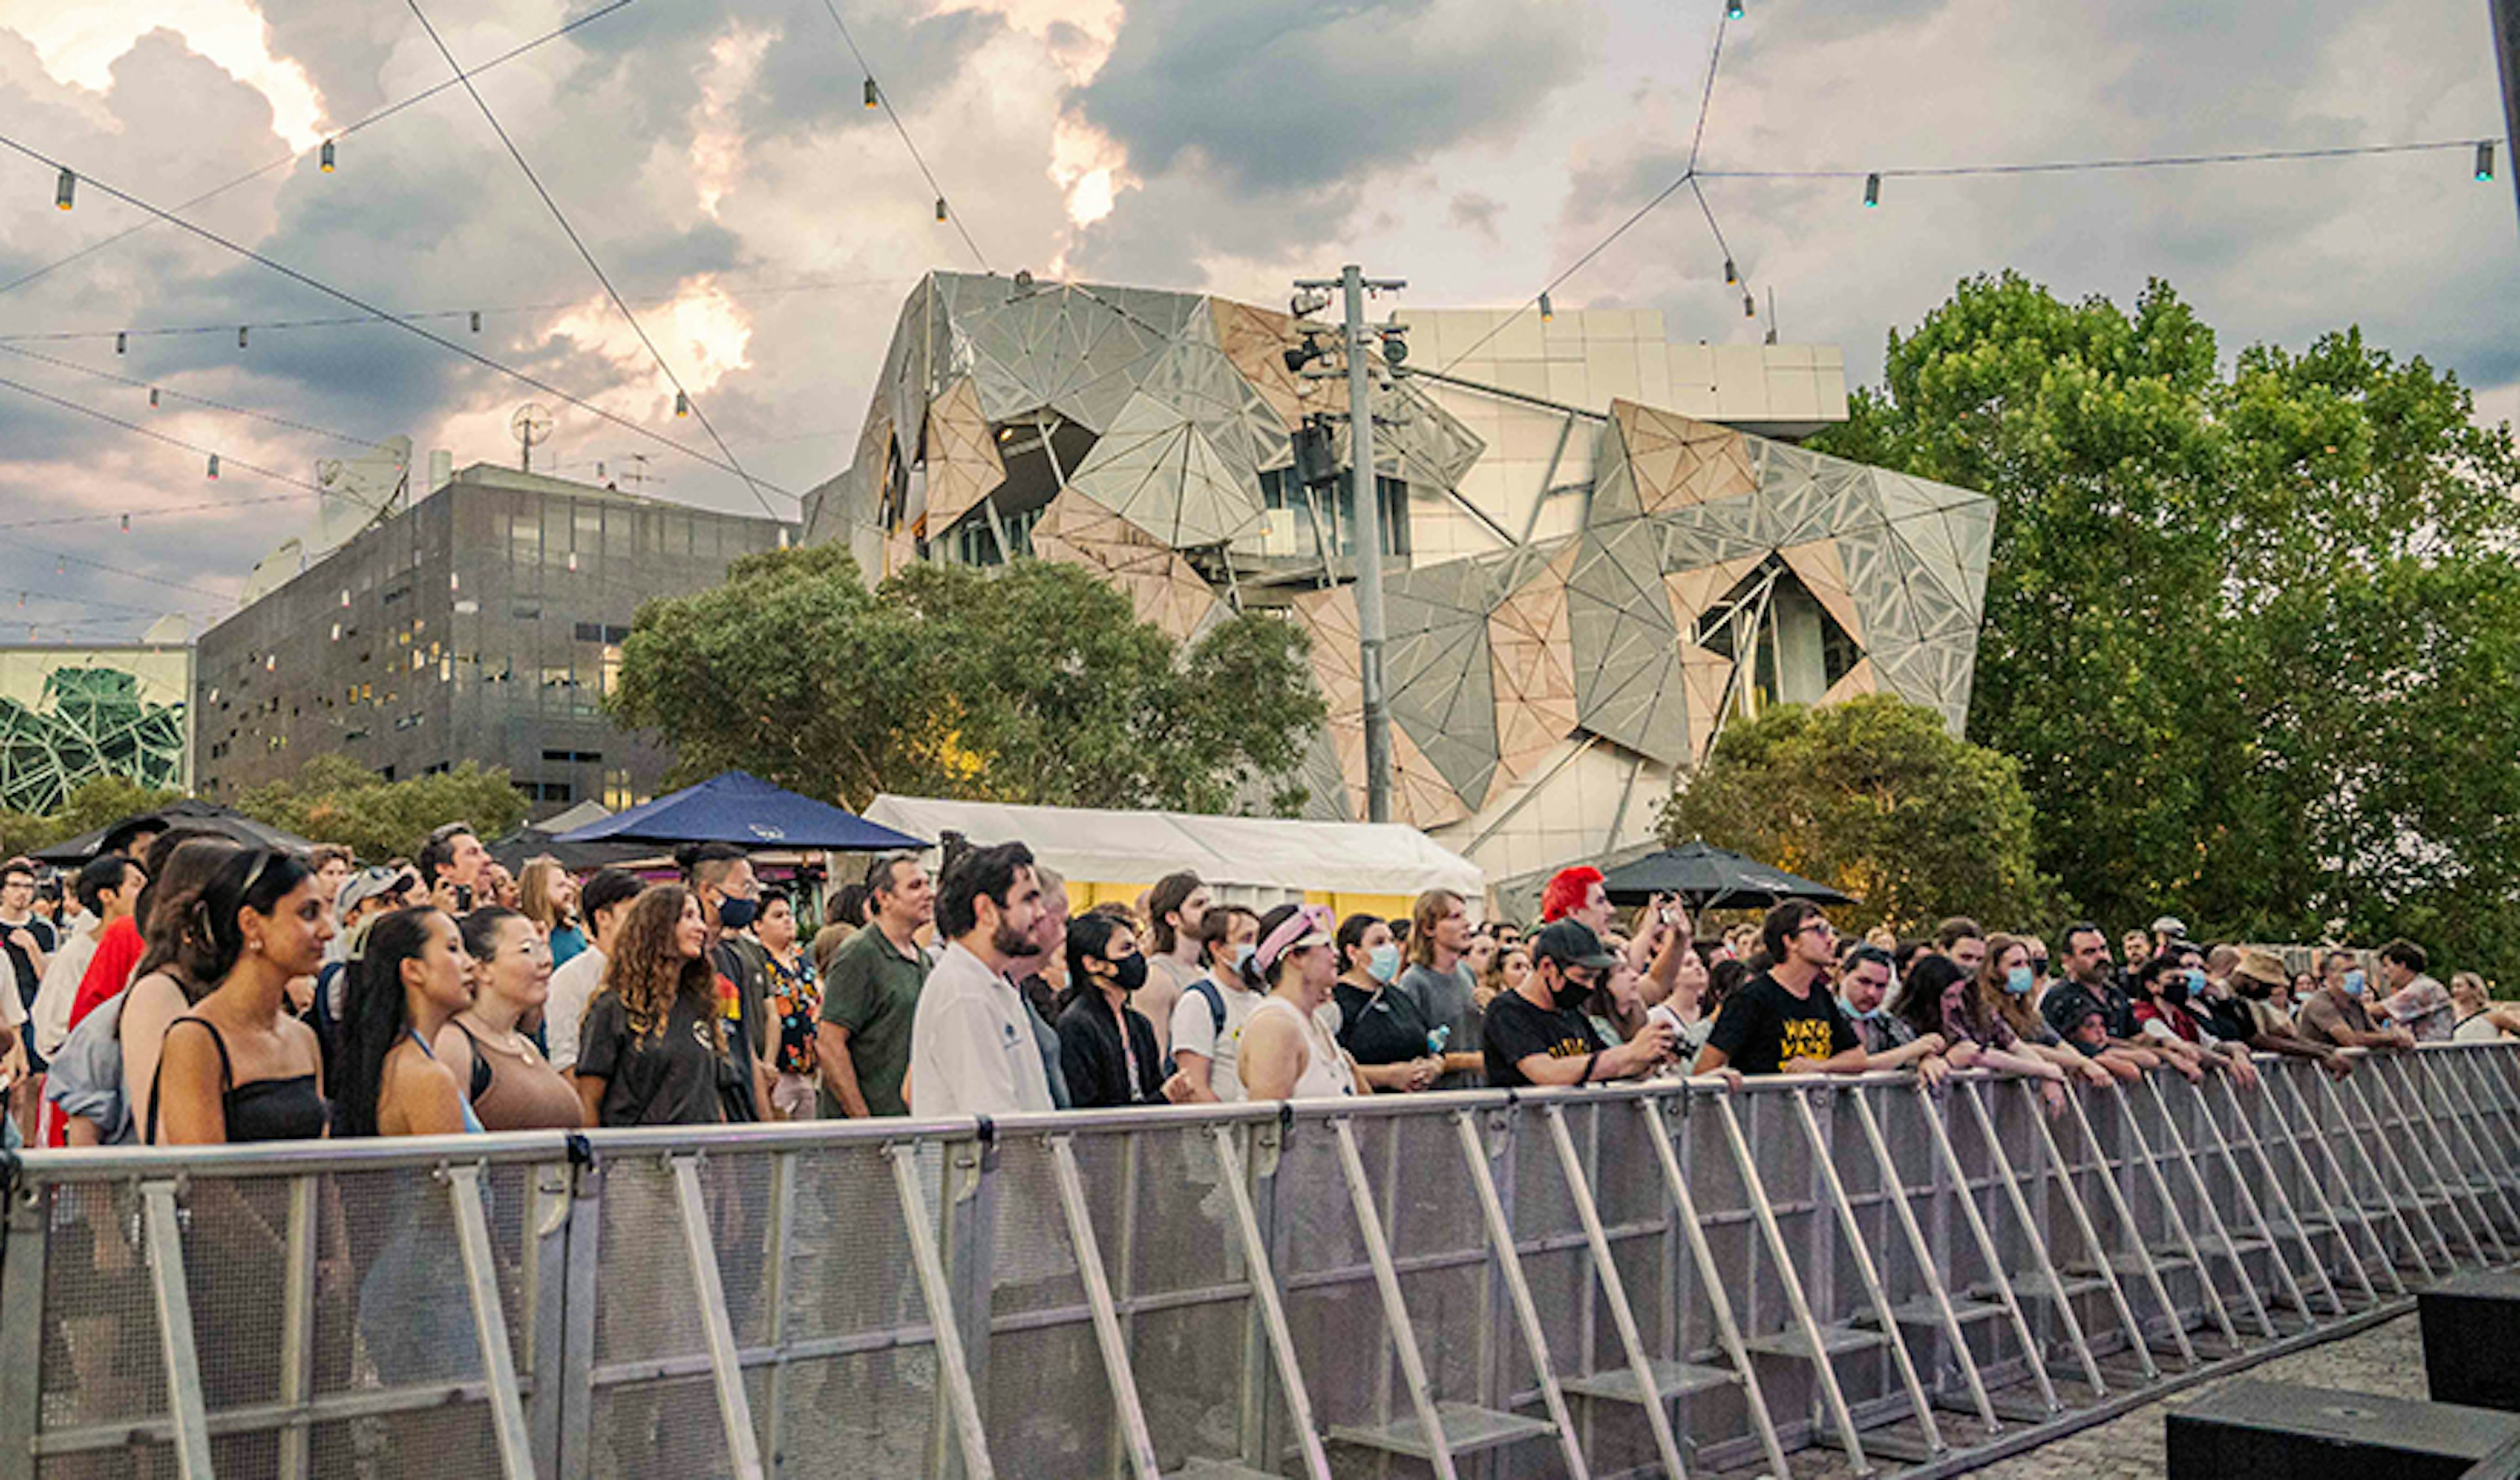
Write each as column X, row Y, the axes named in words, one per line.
column 1537, row 1034
column 1106, row 1047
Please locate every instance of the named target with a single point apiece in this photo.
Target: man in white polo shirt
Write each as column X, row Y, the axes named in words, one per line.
column 971, row 1047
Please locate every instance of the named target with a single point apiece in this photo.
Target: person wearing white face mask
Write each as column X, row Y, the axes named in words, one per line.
column 1385, row 1031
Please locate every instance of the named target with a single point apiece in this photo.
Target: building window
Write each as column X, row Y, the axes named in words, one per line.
column 1296, row 522
column 1797, row 651
column 976, row 542
column 616, row 789
column 573, row 757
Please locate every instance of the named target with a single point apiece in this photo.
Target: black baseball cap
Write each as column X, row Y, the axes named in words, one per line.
column 1572, row 943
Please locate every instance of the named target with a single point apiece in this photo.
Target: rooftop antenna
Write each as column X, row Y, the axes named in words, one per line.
column 531, row 425
column 637, row 474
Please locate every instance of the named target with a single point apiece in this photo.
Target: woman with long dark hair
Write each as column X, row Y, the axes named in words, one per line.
column 410, row 978
column 239, row 1066
column 177, row 969
column 1940, row 997
column 511, row 1087
column 653, row 1049
column 1380, row 1027
column 1106, row 1047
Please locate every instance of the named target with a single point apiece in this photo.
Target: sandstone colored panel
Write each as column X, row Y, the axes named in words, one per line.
column 1821, row 570
column 963, row 461
column 1161, row 586
column 1676, row 460
column 1256, row 340
column 1534, row 657
column 1419, row 795
column 1703, row 677
column 1859, row 680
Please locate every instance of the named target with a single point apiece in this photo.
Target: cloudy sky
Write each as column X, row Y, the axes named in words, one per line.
column 716, row 158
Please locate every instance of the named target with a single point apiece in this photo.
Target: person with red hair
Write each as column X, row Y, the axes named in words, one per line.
column 1578, row 894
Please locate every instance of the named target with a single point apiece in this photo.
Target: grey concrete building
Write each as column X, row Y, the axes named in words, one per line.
column 484, row 623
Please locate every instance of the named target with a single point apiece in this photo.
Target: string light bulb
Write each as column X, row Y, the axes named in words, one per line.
column 240, row 333
column 2484, row 160
column 1749, row 306
column 66, row 191
column 1733, row 10
column 122, row 342
column 153, row 398
column 215, row 468
column 327, row 163
column 476, row 321
column 1732, row 274
column 682, row 404
column 872, row 98
column 1871, row 191
column 1546, row 310
column 940, row 207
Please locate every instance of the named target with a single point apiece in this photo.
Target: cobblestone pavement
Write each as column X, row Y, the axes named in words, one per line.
column 2387, row 1360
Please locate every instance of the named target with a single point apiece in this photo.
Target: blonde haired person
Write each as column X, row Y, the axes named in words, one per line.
column 547, row 895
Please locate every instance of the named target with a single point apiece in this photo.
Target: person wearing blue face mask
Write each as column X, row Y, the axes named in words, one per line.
column 2335, row 1014
column 1864, row 982
column 1384, row 1031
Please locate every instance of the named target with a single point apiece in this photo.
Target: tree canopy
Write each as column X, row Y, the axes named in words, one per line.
column 1035, row 683
column 1874, row 798
column 334, row 799
column 99, row 802
column 2249, row 631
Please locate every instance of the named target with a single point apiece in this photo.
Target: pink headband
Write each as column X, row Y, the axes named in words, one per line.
column 1307, row 921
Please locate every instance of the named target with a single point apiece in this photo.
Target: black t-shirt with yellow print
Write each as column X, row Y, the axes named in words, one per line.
column 1515, row 1030
column 1763, row 1026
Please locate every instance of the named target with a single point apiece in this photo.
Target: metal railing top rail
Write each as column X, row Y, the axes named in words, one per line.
column 122, row 1163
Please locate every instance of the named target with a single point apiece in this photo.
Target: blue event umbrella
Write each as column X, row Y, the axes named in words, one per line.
column 744, row 810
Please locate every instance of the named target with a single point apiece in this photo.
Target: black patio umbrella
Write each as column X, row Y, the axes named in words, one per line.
column 187, row 812
column 1707, row 877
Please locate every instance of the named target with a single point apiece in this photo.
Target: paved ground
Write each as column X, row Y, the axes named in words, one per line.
column 2387, row 1360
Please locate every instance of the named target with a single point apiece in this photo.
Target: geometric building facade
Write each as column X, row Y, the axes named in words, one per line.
column 71, row 714
column 1580, row 586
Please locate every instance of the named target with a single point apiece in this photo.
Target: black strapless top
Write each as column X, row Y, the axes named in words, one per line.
column 266, row 1109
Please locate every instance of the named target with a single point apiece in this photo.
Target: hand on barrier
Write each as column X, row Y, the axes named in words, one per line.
column 2336, row 1066
column 2053, row 1091
column 2094, row 1073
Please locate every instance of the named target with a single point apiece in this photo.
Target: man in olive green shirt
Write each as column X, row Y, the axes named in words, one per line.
column 872, row 994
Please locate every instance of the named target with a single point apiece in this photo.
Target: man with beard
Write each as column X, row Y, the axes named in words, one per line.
column 971, row 1045
column 1537, row 1034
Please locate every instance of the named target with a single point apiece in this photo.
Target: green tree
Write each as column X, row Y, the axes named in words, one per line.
column 2183, row 556
column 99, row 802
column 333, row 799
column 1032, row 683
column 1875, row 798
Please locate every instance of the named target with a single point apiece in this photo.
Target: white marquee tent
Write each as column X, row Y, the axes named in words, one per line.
column 1247, row 858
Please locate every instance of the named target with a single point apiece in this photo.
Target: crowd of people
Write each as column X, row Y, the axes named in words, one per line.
column 190, row 989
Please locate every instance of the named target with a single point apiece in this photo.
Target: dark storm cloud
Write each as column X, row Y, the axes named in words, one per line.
column 1285, row 95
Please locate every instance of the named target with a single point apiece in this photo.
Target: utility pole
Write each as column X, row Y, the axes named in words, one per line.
column 1360, row 343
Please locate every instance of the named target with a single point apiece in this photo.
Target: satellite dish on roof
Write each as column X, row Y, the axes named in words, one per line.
column 531, row 425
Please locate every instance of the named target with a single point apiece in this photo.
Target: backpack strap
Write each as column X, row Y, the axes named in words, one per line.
column 1205, row 986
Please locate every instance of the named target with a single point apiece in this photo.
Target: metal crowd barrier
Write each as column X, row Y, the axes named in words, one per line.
column 1658, row 1279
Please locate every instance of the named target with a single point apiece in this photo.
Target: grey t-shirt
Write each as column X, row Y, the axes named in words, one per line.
column 1446, row 998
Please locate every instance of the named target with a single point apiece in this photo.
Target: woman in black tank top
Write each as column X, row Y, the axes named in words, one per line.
column 239, row 1067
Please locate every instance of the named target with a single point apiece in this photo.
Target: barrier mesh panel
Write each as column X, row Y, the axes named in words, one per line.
column 101, row 1361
